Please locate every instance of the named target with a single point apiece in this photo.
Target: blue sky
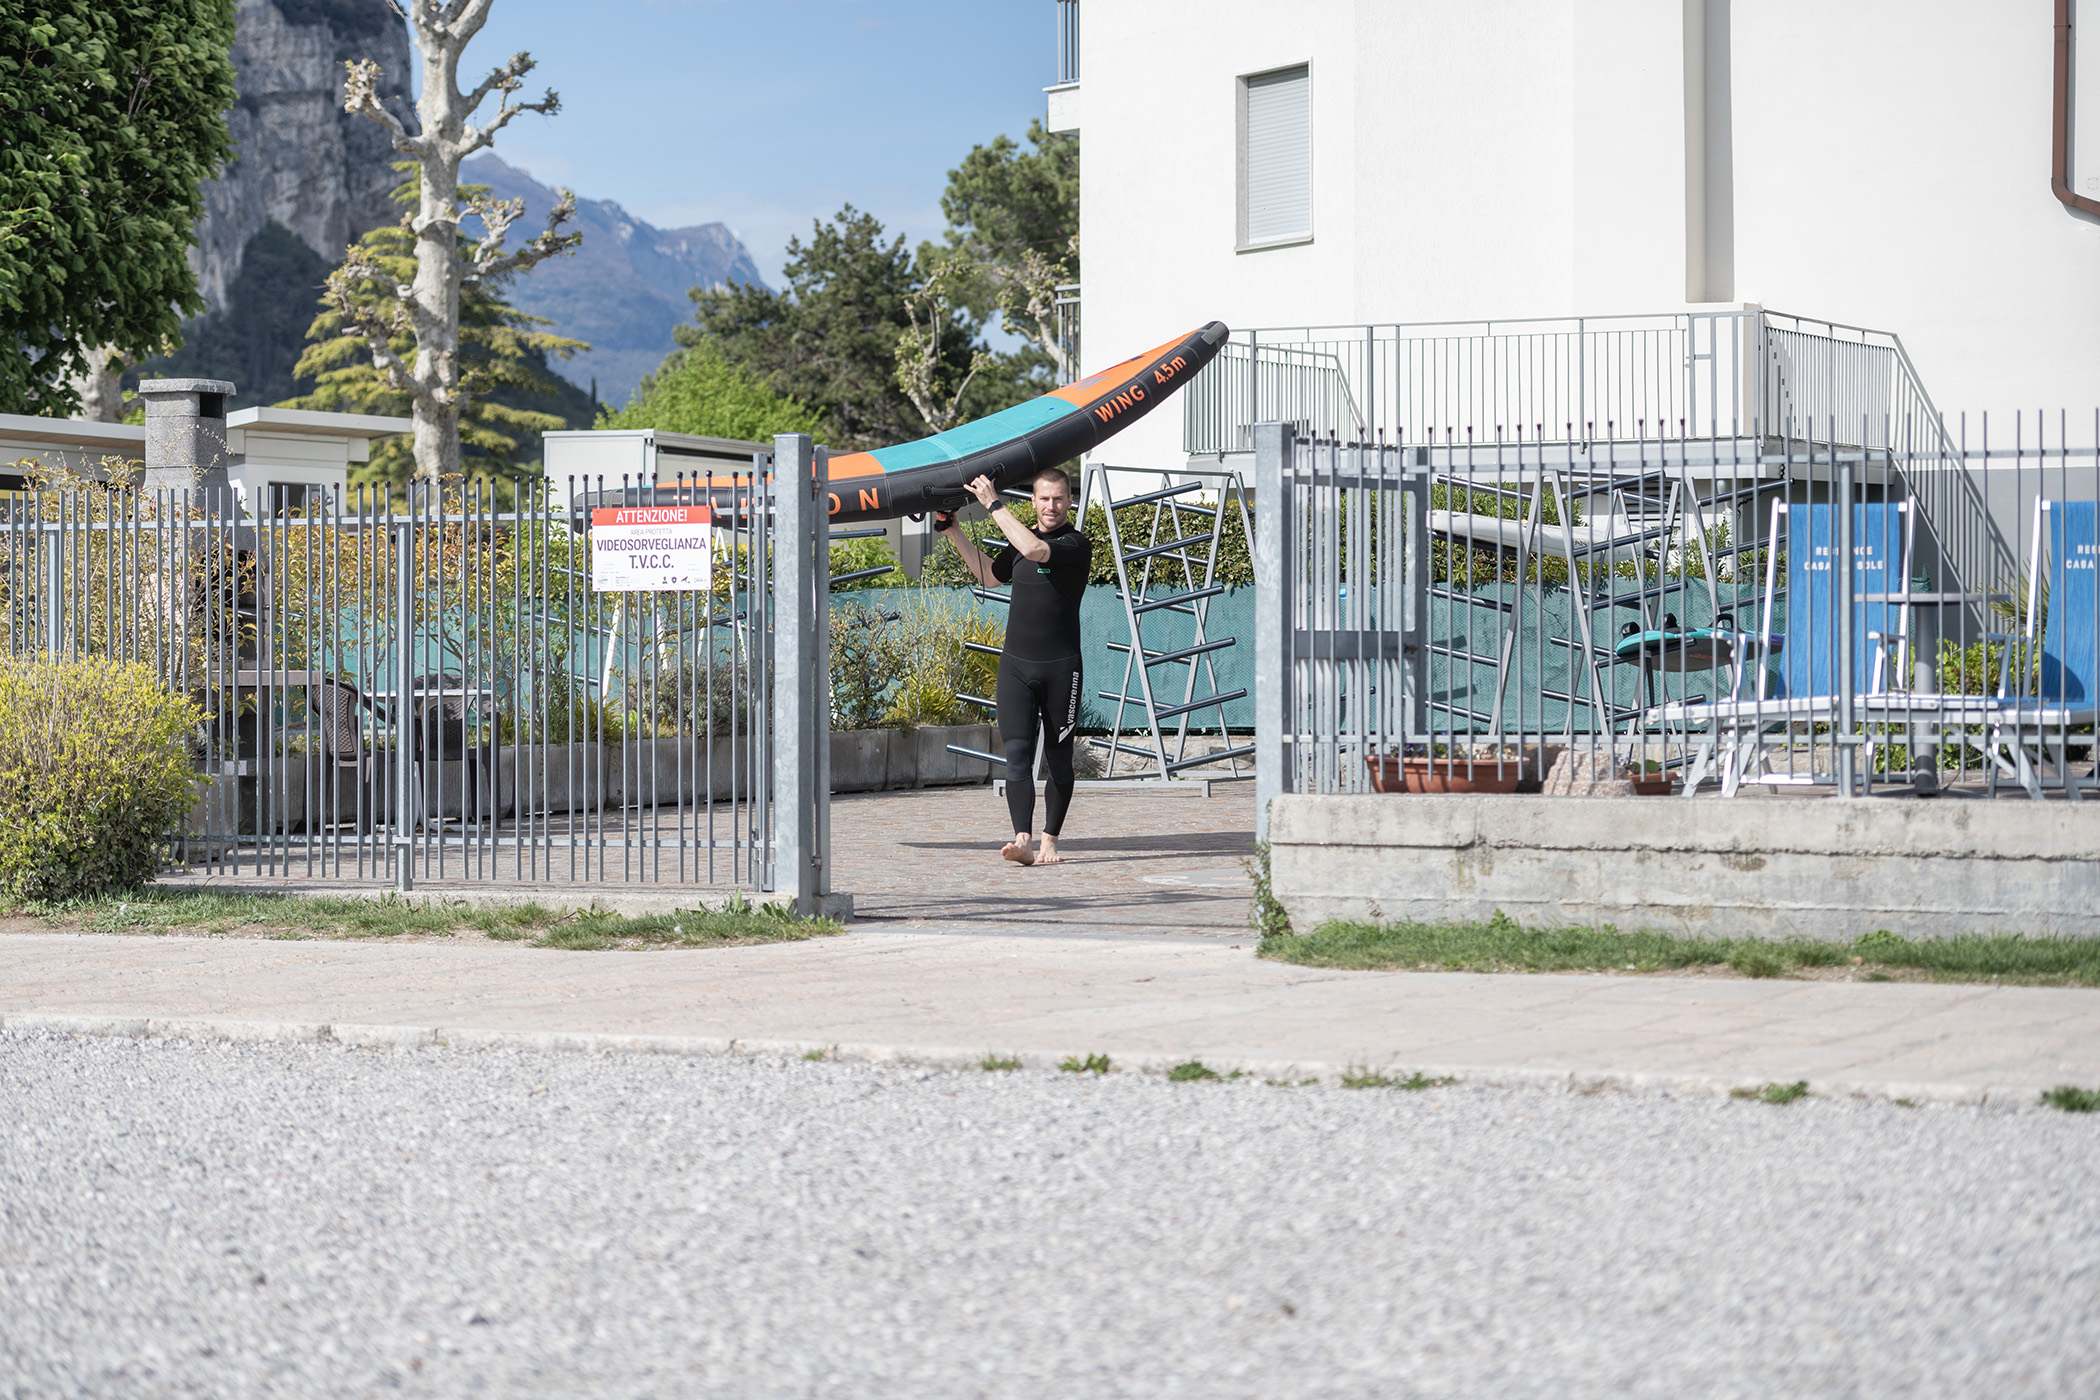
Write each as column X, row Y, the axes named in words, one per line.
column 765, row 114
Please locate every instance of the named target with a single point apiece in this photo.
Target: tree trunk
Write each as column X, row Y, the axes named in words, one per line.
column 101, row 387
column 431, row 303
column 437, row 287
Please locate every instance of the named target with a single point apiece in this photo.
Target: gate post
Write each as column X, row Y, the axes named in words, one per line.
column 800, row 713
column 1274, row 607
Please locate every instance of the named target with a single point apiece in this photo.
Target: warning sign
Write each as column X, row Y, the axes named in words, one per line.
column 651, row 549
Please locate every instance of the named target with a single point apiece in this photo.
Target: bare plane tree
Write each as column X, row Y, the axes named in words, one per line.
column 428, row 307
column 919, row 353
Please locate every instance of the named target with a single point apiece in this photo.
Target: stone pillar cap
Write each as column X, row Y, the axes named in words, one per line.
column 185, row 386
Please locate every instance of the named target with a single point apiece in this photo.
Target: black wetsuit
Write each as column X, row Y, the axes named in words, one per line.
column 1039, row 672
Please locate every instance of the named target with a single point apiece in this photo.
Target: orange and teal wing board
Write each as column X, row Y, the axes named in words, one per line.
column 1009, row 447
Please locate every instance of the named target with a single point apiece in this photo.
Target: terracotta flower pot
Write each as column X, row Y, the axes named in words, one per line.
column 1391, row 773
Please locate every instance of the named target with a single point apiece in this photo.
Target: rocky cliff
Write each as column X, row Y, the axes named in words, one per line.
column 302, row 162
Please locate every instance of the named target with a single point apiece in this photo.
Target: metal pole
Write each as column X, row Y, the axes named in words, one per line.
column 820, row 712
column 1272, row 616
column 797, row 525
column 54, row 590
column 1842, row 587
column 404, row 680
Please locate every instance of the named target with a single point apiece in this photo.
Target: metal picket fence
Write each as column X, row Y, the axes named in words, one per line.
column 1887, row 605
column 422, row 685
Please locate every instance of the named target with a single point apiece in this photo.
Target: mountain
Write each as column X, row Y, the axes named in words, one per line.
column 623, row 290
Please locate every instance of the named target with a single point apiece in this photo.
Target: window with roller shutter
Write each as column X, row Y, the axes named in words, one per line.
column 1275, row 158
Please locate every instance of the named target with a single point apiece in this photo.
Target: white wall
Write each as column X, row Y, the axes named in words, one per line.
column 1895, row 174
column 1512, row 158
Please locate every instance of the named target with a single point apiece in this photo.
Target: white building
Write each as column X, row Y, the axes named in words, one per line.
column 277, row 458
column 1368, row 163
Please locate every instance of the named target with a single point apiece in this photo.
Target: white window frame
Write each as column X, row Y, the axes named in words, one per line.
column 1241, row 242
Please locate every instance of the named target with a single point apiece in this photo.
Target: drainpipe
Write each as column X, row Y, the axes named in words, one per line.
column 2060, row 168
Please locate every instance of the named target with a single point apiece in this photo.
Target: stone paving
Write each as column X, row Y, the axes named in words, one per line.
column 1135, row 863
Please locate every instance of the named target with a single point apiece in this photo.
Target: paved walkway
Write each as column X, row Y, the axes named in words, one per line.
column 1148, row 1003
column 1137, row 948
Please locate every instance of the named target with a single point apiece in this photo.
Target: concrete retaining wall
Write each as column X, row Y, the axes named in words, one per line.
column 1755, row 867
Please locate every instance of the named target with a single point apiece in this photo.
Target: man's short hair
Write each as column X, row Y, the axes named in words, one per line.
column 1057, row 474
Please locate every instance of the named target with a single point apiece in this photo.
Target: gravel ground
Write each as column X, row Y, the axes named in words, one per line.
column 200, row 1219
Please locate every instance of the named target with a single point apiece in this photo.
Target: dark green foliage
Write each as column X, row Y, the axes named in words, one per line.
column 1004, row 200
column 2072, row 1099
column 111, row 115
column 258, row 338
column 829, row 340
column 1013, row 225
column 1191, row 1071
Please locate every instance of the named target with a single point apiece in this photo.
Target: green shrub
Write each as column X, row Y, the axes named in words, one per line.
column 906, row 669
column 695, row 390
column 95, row 772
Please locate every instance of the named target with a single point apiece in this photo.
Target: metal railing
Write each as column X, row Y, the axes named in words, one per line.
column 1068, row 332
column 424, row 685
column 1067, row 41
column 1688, row 615
column 1554, row 380
column 1575, row 379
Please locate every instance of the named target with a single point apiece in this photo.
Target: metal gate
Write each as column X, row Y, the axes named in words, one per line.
column 422, row 685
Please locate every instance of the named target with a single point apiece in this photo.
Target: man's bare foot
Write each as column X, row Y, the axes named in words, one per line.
column 1049, row 855
column 1017, row 850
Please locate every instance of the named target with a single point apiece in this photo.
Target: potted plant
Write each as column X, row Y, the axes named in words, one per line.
column 1482, row 769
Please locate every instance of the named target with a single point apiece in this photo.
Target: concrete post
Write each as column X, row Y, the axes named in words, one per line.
column 186, row 435
column 1273, row 611
column 798, row 520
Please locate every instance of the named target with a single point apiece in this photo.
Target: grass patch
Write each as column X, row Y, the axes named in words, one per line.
column 1191, row 1071
column 288, row 916
column 1092, row 1064
column 997, row 1064
column 1774, row 1093
column 1414, row 1083
column 2072, row 1099
column 1502, row 945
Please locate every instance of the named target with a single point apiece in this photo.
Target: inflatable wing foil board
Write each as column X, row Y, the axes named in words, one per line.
column 1009, row 446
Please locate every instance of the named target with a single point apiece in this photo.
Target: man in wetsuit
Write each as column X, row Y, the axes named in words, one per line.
column 1039, row 669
